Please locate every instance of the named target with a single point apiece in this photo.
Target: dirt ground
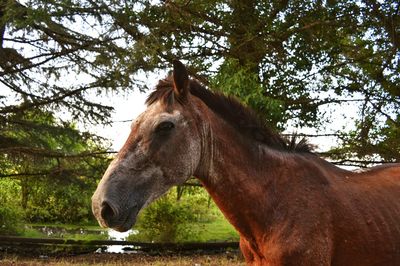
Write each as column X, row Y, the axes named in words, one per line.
column 223, row 259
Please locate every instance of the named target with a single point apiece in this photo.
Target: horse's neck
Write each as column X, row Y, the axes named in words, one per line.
column 242, row 179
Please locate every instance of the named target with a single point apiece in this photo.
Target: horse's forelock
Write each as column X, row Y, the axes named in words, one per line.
column 165, row 93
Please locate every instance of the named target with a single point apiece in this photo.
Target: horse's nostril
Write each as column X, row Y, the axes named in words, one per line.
column 107, row 212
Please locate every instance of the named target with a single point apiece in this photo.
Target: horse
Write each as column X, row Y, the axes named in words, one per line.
column 290, row 206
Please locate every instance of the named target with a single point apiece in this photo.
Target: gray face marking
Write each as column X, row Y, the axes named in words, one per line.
column 151, row 162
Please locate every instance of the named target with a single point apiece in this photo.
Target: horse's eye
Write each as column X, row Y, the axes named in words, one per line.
column 164, row 127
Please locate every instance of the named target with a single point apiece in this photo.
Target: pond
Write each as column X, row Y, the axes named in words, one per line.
column 109, row 234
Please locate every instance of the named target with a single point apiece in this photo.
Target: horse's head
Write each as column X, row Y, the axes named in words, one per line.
column 162, row 150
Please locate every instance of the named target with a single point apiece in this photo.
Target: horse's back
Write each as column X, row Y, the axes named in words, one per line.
column 388, row 170
column 367, row 225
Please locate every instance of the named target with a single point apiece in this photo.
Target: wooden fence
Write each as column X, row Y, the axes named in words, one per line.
column 142, row 246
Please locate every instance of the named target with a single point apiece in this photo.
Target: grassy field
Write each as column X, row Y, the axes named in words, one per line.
column 217, row 230
column 129, row 259
column 66, row 231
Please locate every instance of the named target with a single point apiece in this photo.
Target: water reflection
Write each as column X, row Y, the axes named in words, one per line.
column 115, row 235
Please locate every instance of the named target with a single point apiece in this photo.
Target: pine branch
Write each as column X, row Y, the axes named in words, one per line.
column 361, row 163
column 54, row 154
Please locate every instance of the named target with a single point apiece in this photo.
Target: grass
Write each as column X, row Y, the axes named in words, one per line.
column 34, row 233
column 87, row 226
column 132, row 259
column 215, row 230
column 218, row 230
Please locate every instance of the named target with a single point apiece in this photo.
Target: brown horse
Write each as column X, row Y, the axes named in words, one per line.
column 290, row 206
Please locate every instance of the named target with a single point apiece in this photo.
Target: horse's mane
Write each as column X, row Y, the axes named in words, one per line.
column 241, row 117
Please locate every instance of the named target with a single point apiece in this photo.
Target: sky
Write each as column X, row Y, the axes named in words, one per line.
column 127, row 108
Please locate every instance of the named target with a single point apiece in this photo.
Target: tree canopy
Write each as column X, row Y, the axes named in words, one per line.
column 287, row 59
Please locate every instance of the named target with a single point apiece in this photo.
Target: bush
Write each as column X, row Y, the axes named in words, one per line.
column 10, row 220
column 58, row 202
column 170, row 220
column 43, row 200
column 11, row 215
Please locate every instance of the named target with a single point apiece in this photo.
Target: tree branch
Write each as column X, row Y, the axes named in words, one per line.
column 54, row 154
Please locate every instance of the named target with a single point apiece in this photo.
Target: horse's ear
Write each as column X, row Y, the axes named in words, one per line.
column 181, row 79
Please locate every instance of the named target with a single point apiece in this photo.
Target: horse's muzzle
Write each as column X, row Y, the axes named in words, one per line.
column 113, row 217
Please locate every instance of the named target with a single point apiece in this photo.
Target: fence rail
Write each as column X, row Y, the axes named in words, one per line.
column 12, row 240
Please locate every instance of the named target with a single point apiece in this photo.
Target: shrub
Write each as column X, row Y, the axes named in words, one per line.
column 57, row 202
column 170, row 220
column 11, row 215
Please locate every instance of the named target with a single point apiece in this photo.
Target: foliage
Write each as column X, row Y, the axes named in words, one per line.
column 54, row 166
column 367, row 139
column 236, row 80
column 291, row 60
column 59, row 202
column 170, row 220
column 10, row 211
column 40, row 143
